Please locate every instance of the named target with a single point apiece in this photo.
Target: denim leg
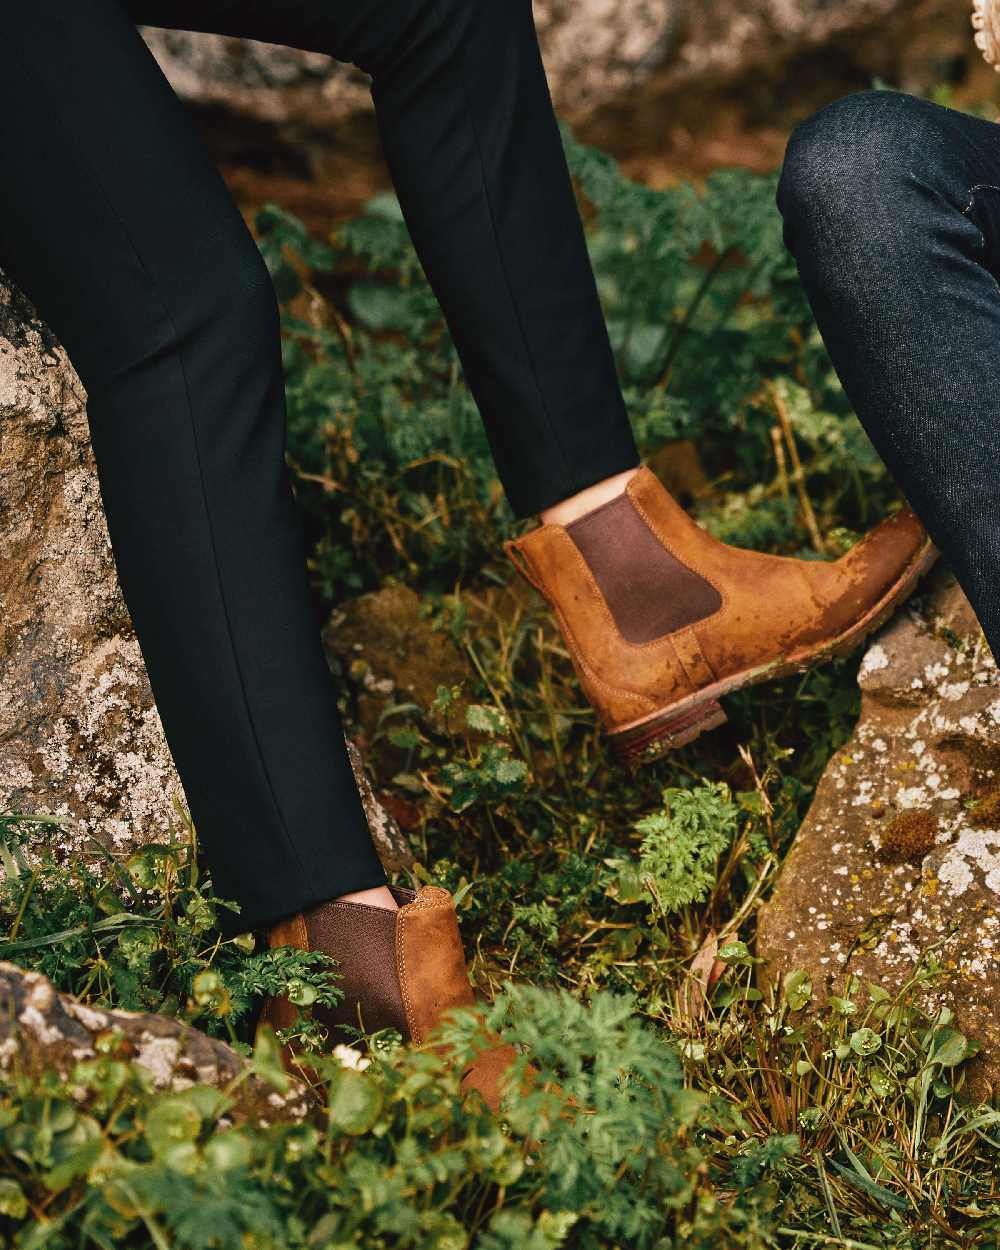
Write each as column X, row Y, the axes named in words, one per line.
column 891, row 207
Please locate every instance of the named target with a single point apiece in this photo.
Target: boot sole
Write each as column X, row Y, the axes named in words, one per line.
column 652, row 737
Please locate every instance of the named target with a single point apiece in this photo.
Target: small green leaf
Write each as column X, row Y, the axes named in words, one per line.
column 444, row 697
column 948, row 1048
column 208, row 1101
column 554, row 1226
column 206, row 987
column 228, row 1151
column 266, row 1059
column 485, row 719
column 354, row 1102
column 510, row 772
column 797, row 988
column 880, row 1083
column 879, row 1192
column 151, row 867
column 13, row 1202
column 171, row 1122
column 76, row 1162
column 811, row 1118
column 301, row 994
column 865, row 1042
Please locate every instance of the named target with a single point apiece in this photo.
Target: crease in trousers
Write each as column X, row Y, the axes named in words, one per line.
column 115, row 223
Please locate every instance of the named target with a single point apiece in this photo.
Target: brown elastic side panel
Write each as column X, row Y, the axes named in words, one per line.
column 648, row 591
column 363, row 941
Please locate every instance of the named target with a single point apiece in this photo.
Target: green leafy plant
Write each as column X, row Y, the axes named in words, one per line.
column 143, row 935
column 681, row 845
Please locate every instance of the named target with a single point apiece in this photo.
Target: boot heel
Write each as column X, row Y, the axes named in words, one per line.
column 662, row 734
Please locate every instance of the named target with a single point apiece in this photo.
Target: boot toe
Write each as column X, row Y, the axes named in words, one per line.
column 486, row 1075
column 888, row 559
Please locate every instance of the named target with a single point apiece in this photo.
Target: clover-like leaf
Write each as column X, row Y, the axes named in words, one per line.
column 354, row 1102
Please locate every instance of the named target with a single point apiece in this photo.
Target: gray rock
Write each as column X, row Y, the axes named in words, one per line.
column 80, row 736
column 619, row 41
column 897, row 863
column 44, row 1031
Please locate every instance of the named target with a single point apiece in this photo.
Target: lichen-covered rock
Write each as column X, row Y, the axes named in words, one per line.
column 897, row 864
column 79, row 734
column 80, row 737
column 42, row 1030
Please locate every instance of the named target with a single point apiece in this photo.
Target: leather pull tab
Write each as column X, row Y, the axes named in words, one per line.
column 519, row 561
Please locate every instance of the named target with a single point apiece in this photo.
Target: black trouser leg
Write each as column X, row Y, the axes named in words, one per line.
column 114, row 221
column 467, row 127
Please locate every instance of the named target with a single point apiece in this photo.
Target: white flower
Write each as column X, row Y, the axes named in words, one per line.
column 351, row 1058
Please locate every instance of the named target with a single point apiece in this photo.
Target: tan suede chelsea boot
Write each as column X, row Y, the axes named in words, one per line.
column 661, row 619
column 398, row 969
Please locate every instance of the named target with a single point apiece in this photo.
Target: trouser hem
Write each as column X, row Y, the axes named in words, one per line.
column 550, row 491
column 262, row 913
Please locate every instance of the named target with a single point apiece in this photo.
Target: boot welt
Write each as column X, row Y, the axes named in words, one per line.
column 657, row 733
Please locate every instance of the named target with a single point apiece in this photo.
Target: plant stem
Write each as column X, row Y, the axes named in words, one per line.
column 678, row 336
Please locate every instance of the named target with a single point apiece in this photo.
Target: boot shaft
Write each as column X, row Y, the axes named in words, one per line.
column 660, row 617
column 397, row 969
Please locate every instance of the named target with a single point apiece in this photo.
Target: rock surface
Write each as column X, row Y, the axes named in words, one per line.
column 619, row 43
column 897, row 863
column 392, row 655
column 42, row 1030
column 80, row 737
column 601, row 53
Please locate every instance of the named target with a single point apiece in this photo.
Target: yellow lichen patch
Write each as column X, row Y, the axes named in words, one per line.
column 909, row 836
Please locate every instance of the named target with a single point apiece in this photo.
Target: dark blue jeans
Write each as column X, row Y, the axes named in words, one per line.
column 891, row 207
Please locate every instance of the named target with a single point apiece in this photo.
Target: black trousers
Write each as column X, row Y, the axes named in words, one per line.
column 115, row 223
